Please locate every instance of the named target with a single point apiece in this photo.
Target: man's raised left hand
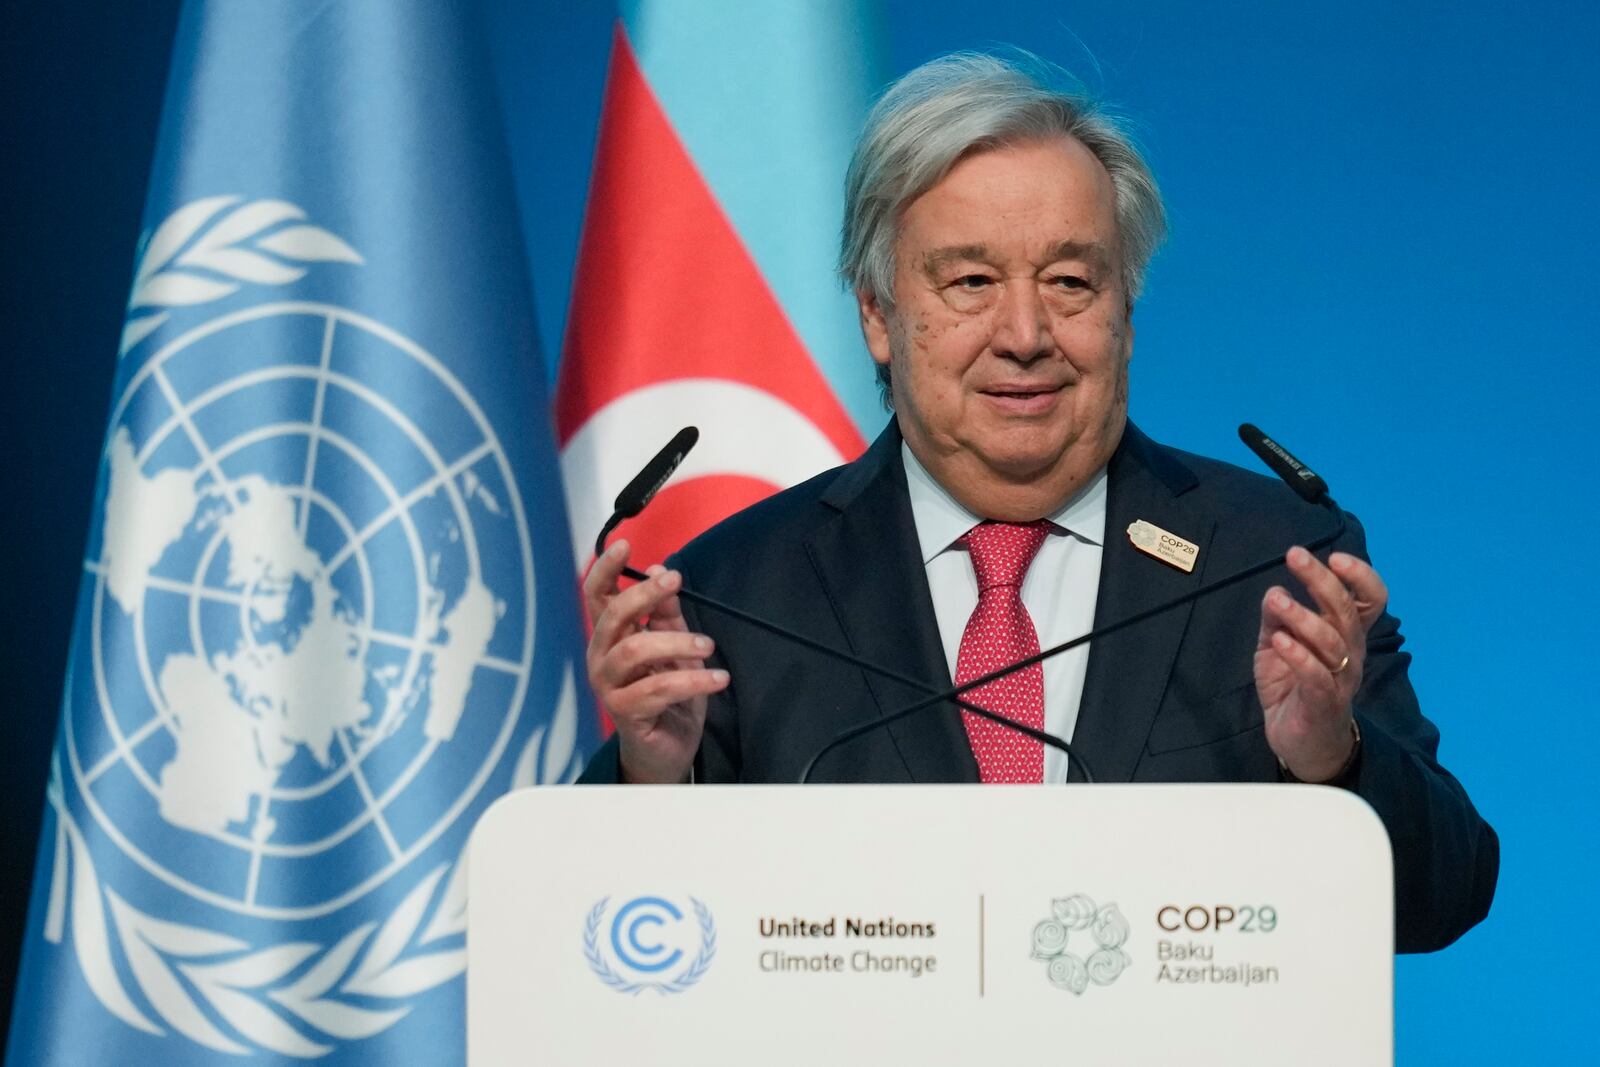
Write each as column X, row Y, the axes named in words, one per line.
column 1308, row 664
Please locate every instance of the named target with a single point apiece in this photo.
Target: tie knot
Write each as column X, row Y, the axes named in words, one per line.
column 1002, row 551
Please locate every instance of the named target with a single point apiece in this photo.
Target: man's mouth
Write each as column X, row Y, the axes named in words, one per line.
column 1021, row 392
column 1022, row 399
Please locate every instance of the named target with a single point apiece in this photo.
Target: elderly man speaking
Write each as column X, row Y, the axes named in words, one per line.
column 996, row 233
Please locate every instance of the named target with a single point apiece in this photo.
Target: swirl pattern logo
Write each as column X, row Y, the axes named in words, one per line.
column 265, row 731
column 1102, row 932
column 649, row 943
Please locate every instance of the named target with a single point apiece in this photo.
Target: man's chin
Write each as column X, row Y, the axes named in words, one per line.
column 1022, row 467
column 1026, row 453
column 1024, row 463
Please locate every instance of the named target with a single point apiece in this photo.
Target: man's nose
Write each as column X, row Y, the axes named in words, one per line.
column 1022, row 327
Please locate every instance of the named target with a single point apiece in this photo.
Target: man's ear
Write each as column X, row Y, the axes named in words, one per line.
column 874, row 325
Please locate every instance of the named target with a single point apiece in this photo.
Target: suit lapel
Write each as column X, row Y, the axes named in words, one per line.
column 869, row 564
column 1128, row 671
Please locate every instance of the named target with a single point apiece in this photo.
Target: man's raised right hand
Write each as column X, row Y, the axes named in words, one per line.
column 647, row 668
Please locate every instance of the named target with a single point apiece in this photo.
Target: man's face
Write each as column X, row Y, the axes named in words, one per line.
column 1009, row 339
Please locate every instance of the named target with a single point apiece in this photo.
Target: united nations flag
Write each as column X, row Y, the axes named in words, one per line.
column 327, row 610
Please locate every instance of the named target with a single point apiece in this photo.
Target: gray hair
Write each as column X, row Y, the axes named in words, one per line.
column 970, row 101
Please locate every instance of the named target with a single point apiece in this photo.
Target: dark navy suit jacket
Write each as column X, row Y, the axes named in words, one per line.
column 1169, row 700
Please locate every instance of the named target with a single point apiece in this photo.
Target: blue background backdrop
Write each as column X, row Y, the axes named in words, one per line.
column 1383, row 224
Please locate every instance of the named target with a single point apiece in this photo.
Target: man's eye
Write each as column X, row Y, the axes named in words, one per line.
column 971, row 281
column 1070, row 281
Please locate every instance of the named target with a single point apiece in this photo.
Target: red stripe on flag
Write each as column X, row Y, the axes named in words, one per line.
column 664, row 288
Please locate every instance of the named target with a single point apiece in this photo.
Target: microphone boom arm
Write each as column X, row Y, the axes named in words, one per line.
column 873, row 668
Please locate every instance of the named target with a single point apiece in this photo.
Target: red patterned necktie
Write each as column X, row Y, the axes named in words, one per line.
column 999, row 633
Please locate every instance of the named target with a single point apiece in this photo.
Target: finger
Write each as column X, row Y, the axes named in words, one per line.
column 1280, row 612
column 1312, row 676
column 1368, row 590
column 642, row 653
column 1327, row 590
column 600, row 584
column 624, row 610
column 641, row 702
column 668, row 614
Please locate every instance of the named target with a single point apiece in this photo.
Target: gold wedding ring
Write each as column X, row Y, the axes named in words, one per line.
column 1342, row 664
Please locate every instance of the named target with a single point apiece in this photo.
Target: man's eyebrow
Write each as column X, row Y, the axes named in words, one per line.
column 1091, row 252
column 940, row 257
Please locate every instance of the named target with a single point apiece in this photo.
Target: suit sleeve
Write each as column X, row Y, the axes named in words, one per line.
column 1446, row 857
column 604, row 767
column 717, row 762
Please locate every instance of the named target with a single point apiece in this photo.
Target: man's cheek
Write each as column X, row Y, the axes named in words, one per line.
column 958, row 341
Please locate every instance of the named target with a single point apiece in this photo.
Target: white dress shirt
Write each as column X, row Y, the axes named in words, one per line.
column 1059, row 591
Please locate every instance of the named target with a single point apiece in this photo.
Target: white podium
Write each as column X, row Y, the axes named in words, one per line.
column 1227, row 925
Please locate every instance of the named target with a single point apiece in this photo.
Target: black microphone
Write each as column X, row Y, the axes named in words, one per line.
column 1299, row 477
column 648, row 482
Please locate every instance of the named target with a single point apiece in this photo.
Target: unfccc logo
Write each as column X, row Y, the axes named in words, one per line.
column 649, row 943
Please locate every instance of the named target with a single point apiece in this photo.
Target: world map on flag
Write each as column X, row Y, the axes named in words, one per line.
column 260, row 691
column 291, row 677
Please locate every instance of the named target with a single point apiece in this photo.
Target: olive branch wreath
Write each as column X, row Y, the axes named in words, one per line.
column 604, row 971
column 208, row 248
column 325, row 989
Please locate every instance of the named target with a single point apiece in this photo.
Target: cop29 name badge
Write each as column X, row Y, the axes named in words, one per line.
column 649, row 942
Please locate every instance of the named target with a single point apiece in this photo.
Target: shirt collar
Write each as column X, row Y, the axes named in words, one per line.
column 941, row 520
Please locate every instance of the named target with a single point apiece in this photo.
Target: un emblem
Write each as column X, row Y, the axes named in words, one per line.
column 310, row 631
column 653, row 943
